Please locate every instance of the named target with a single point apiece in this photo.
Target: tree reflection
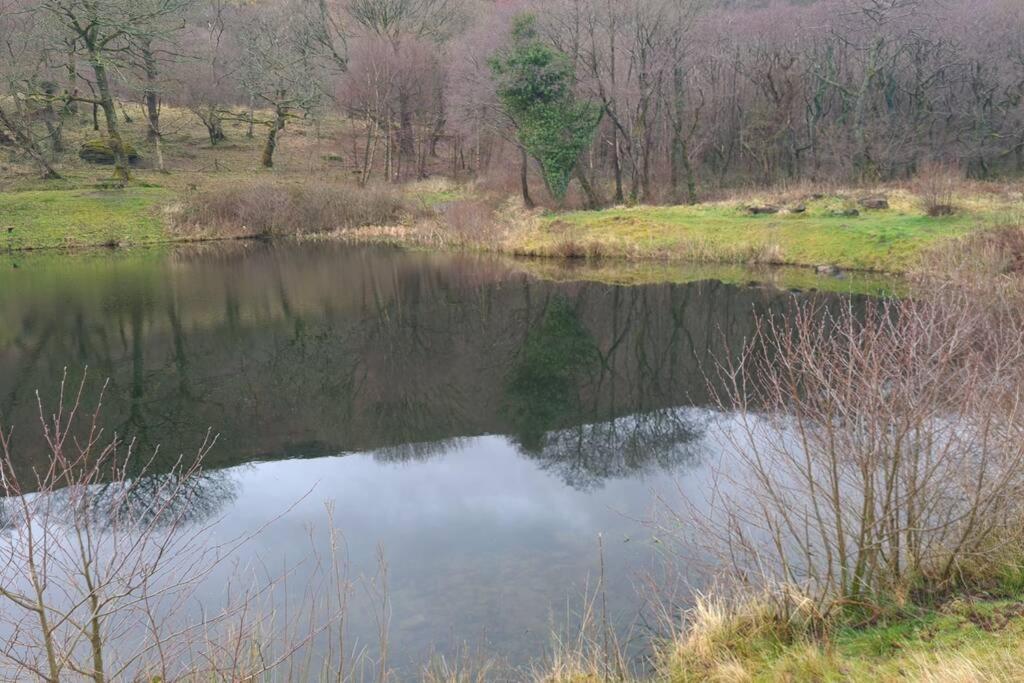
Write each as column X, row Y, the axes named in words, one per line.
column 585, row 456
column 542, row 390
column 310, row 350
column 156, row 500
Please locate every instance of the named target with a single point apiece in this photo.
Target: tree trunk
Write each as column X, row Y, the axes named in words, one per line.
column 271, row 145
column 620, row 197
column 52, row 120
column 439, row 121
column 70, row 103
column 682, row 169
column 121, row 171
column 862, row 158
column 593, row 201
column 214, row 126
column 252, row 119
column 406, row 141
column 151, row 95
column 158, row 147
column 524, row 173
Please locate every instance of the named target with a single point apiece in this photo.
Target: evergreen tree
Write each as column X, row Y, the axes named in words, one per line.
column 535, row 86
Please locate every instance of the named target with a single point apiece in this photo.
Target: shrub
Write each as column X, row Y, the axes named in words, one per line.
column 473, row 220
column 875, row 454
column 104, row 547
column 572, row 249
column 936, row 185
column 273, row 208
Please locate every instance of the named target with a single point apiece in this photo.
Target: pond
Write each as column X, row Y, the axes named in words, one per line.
column 478, row 427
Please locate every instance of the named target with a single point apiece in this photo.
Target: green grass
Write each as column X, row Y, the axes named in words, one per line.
column 41, row 219
column 965, row 640
column 892, row 240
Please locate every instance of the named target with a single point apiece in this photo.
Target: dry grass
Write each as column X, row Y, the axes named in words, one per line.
column 269, row 208
column 466, row 666
column 990, row 253
column 474, row 221
column 750, row 639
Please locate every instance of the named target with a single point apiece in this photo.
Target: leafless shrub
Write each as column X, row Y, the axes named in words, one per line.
column 272, row 208
column 101, row 556
column 473, row 220
column 874, row 455
column 936, row 184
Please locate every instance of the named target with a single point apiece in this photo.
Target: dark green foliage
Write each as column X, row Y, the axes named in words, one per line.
column 535, row 88
column 98, row 151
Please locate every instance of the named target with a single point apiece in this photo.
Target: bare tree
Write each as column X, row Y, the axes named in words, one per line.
column 101, row 30
column 23, row 73
column 283, row 64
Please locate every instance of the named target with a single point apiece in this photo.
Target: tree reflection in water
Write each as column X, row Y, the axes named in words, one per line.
column 585, row 456
column 306, row 350
column 544, row 397
column 542, row 390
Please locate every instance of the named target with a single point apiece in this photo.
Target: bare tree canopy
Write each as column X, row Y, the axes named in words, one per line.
column 695, row 95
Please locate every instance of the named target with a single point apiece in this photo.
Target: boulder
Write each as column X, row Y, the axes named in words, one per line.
column 875, row 203
column 99, row 152
column 799, row 208
column 766, row 209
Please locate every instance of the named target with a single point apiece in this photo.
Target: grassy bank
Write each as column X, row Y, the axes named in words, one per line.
column 828, row 230
column 965, row 639
column 893, row 240
column 41, row 219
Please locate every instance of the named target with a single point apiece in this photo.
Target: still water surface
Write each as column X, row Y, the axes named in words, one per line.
column 481, row 426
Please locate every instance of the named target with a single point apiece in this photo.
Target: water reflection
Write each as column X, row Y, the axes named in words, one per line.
column 311, row 350
column 527, row 415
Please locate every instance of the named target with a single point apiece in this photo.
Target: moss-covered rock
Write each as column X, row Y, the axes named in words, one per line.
column 99, row 152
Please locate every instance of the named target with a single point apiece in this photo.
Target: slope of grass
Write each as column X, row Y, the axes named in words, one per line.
column 965, row 640
column 39, row 219
column 891, row 240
